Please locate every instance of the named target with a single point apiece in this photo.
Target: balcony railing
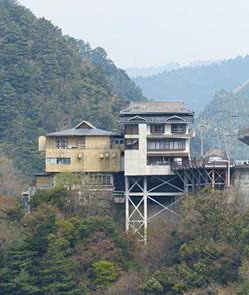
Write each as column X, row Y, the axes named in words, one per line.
column 88, row 147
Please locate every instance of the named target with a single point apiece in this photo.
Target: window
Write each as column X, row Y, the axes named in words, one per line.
column 157, row 128
column 101, row 179
column 63, row 161
column 61, row 143
column 158, row 161
column 178, row 128
column 166, row 144
column 131, row 144
column 118, row 141
column 51, row 160
column 131, row 129
column 82, row 142
column 58, row 161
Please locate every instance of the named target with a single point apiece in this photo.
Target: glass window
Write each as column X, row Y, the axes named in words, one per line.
column 63, row 161
column 157, row 128
column 58, row 161
column 131, row 129
column 118, row 141
column 178, row 128
column 51, row 160
column 61, row 143
column 131, row 144
column 82, row 142
column 100, row 179
column 166, row 144
column 158, row 161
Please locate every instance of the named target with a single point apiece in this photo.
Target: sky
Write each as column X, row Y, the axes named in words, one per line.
column 141, row 33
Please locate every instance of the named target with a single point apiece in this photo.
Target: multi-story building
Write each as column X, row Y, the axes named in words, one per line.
column 82, row 149
column 157, row 136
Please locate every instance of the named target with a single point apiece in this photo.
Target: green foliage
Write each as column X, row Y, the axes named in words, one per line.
column 54, row 276
column 104, row 273
column 56, row 196
column 151, row 287
column 49, row 81
column 226, row 111
column 61, row 255
column 16, row 270
column 210, row 241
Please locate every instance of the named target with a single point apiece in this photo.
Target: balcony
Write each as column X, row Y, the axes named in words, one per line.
column 189, row 134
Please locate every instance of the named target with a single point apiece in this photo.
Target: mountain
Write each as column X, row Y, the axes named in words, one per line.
column 150, row 71
column 221, row 119
column 134, row 72
column 196, row 85
column 49, row 81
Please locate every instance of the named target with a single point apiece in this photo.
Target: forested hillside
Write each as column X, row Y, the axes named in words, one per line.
column 71, row 247
column 196, row 85
column 49, row 81
column 221, row 120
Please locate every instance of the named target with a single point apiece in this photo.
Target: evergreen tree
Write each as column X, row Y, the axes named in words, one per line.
column 16, row 274
column 54, row 275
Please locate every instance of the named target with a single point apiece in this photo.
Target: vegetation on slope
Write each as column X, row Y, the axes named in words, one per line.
column 60, row 249
column 222, row 118
column 196, row 85
column 49, row 81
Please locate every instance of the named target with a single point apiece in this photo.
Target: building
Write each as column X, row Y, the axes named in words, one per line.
column 82, row 149
column 157, row 136
column 138, row 166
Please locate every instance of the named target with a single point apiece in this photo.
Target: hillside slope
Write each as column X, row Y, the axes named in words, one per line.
column 49, row 81
column 222, row 118
column 196, row 85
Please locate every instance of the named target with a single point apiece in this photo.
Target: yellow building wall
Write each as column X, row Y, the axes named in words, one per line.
column 95, row 157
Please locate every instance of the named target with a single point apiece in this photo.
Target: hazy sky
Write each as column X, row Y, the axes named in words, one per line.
column 154, row 32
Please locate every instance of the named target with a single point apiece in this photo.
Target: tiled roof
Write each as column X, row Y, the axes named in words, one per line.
column 79, row 131
column 149, row 107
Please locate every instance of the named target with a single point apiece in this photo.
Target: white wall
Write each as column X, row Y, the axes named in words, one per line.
column 136, row 160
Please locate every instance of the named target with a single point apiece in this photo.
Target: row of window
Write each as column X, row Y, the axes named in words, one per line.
column 156, row 128
column 100, row 179
column 166, row 144
column 162, row 161
column 58, row 161
column 62, row 142
column 157, row 144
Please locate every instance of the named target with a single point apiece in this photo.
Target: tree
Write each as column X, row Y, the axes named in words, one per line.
column 12, row 182
column 104, row 273
column 16, row 270
column 55, row 270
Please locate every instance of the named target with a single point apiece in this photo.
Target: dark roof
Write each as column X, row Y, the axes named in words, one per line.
column 79, row 131
column 159, row 107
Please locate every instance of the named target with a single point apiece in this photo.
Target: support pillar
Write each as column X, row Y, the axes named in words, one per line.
column 145, row 210
column 213, row 179
column 127, row 209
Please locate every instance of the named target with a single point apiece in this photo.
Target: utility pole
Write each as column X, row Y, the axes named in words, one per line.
column 202, row 141
column 203, row 127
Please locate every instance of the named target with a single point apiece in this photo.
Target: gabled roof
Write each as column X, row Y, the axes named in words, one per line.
column 84, row 128
column 156, row 107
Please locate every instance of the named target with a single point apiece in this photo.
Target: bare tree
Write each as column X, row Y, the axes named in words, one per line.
column 86, row 198
column 12, row 182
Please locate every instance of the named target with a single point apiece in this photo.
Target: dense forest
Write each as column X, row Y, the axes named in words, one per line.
column 49, row 81
column 221, row 120
column 196, row 85
column 69, row 247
